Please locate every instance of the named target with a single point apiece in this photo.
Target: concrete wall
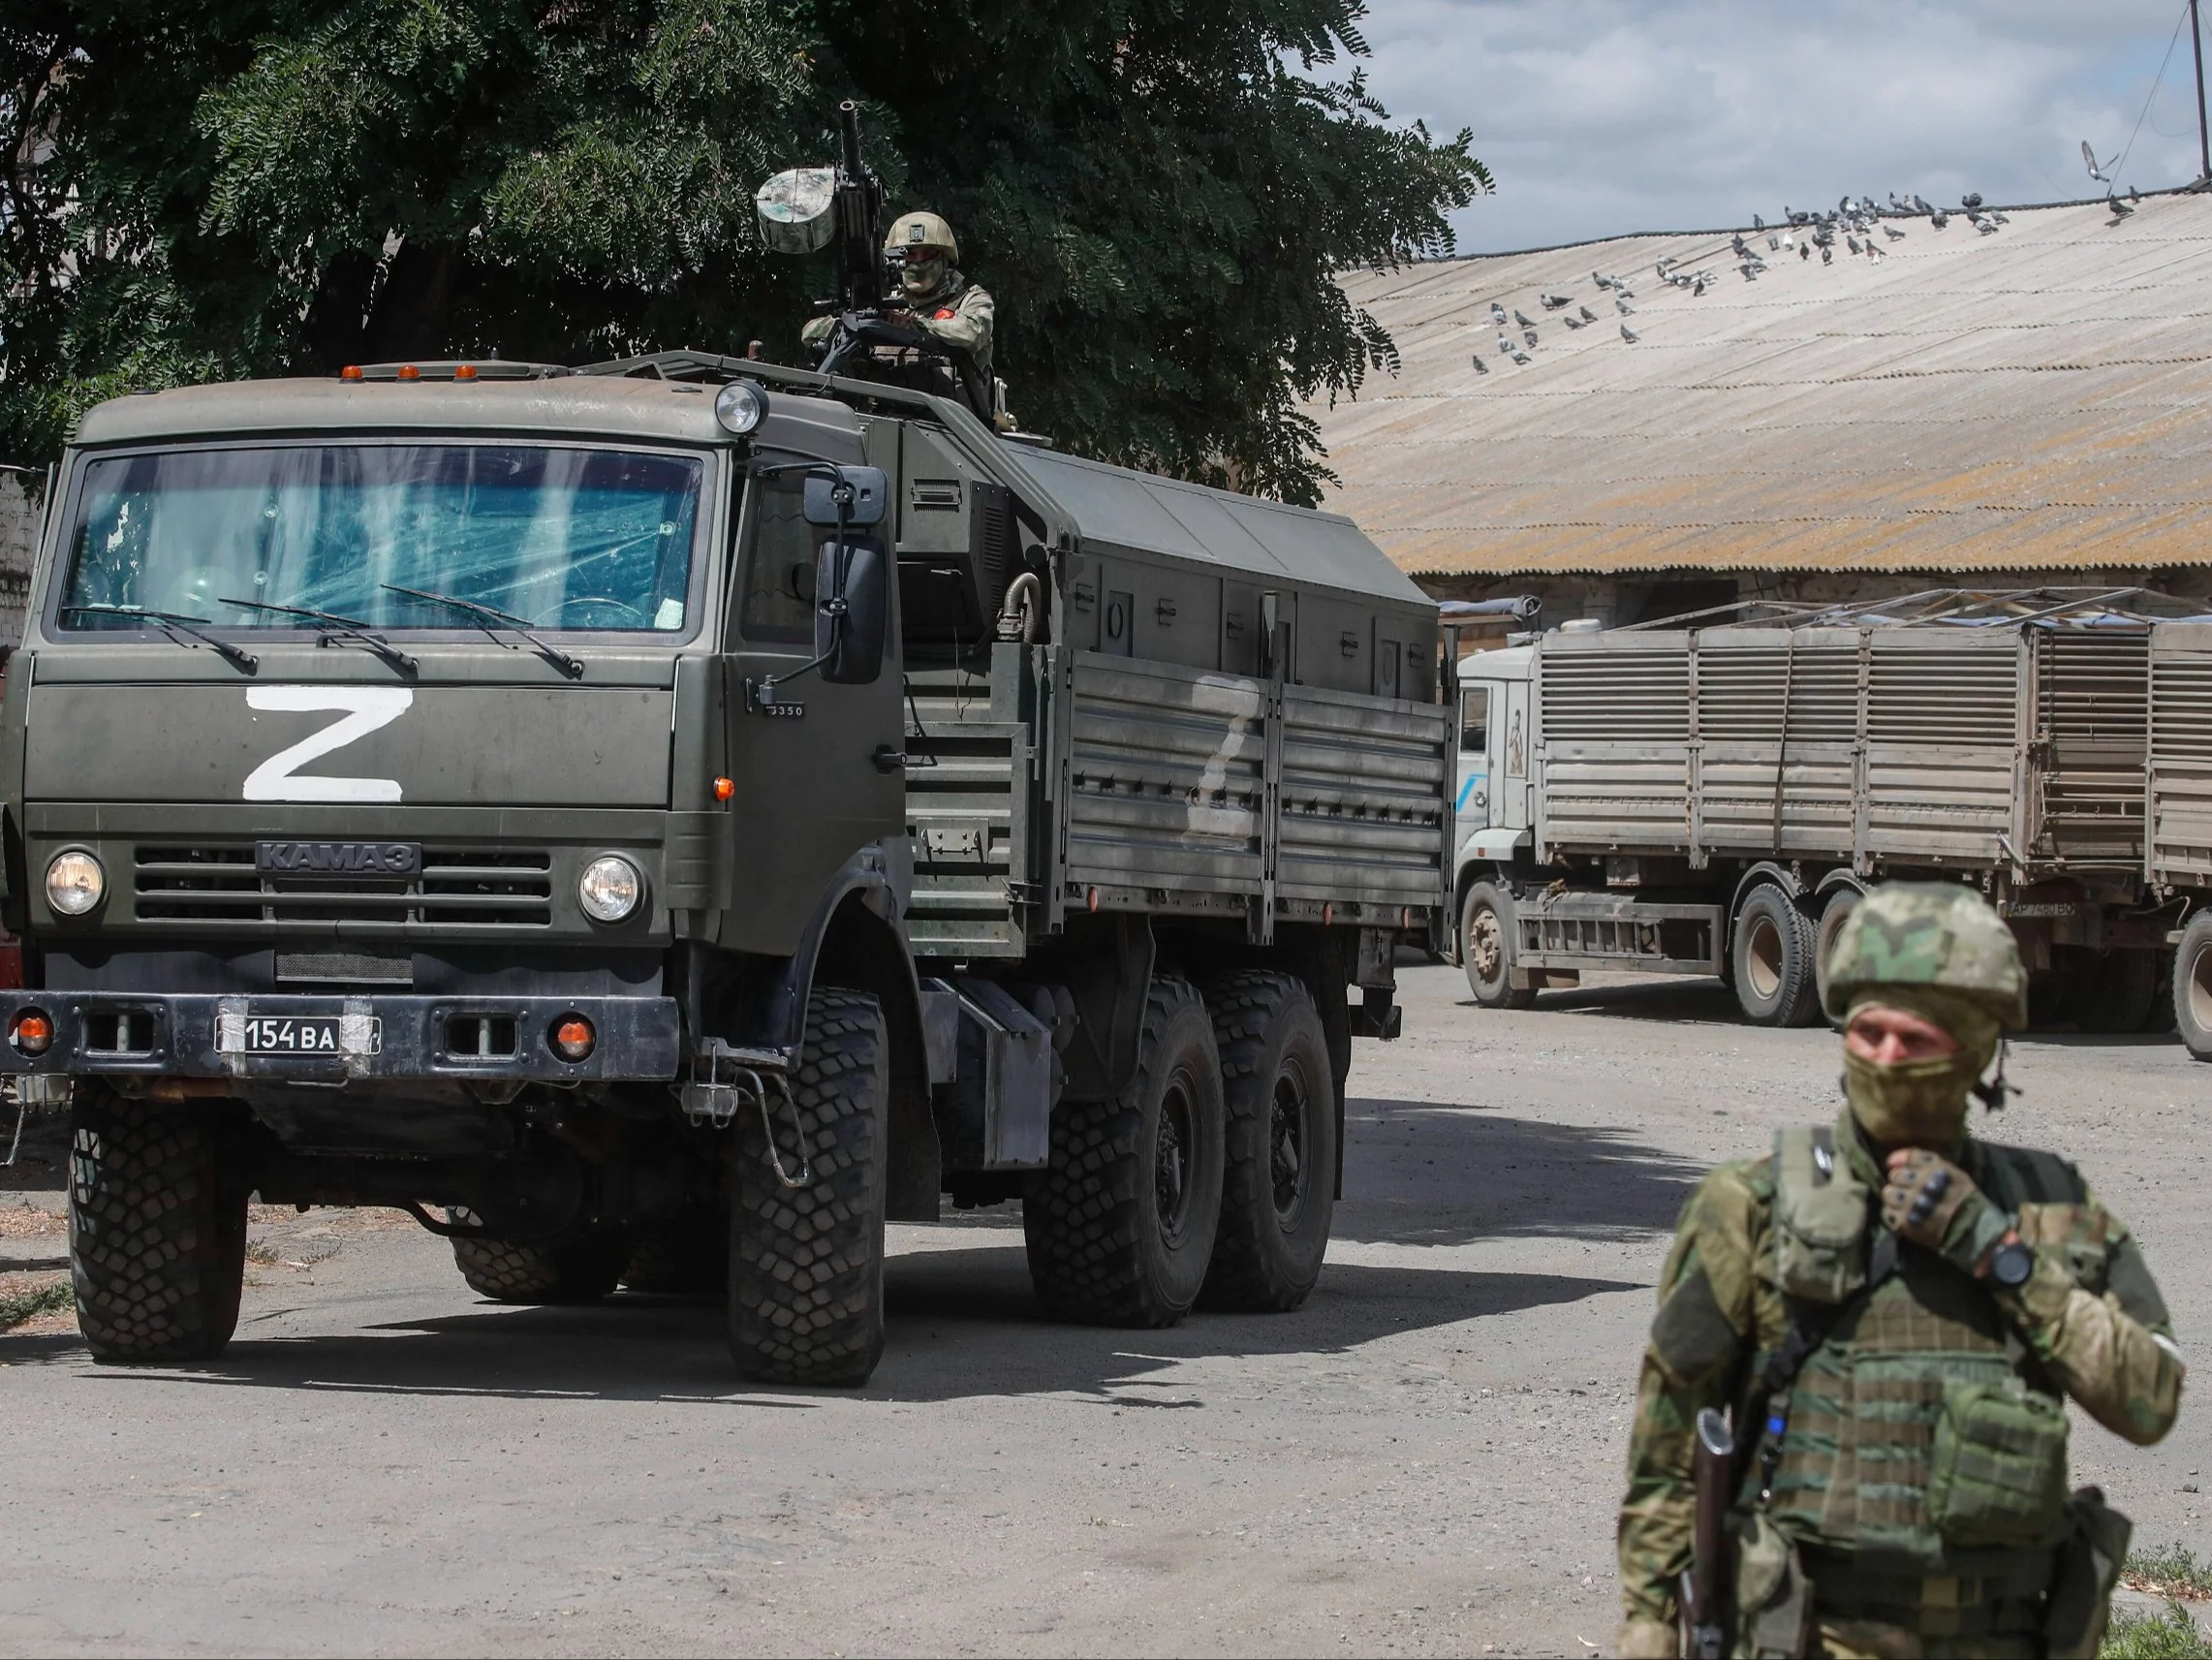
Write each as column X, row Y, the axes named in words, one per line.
column 19, row 518
column 1616, row 600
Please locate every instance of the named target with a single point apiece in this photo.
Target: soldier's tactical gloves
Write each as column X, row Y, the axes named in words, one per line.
column 1930, row 1201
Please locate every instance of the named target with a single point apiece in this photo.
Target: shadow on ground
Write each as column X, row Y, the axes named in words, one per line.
column 962, row 1322
column 1420, row 1172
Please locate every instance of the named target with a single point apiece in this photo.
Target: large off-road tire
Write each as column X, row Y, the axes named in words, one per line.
column 1487, row 947
column 688, row 1257
column 1279, row 1184
column 806, row 1264
column 1121, row 1226
column 2193, row 985
column 2109, row 990
column 1836, row 911
column 557, row 1272
column 157, row 1227
column 1777, row 982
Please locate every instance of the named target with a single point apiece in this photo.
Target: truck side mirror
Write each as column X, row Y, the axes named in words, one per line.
column 853, row 583
column 863, row 490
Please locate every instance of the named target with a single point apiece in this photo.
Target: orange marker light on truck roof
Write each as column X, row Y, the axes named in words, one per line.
column 724, row 788
column 409, row 372
column 464, row 372
column 351, row 372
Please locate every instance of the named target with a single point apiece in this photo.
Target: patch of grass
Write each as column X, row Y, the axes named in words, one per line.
column 50, row 1299
column 263, row 1252
column 2170, row 1571
column 2169, row 1634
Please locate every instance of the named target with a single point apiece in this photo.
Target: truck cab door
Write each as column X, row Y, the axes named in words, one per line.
column 1470, row 799
column 813, row 763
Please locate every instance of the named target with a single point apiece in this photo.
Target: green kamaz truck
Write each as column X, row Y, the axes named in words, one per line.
column 655, row 822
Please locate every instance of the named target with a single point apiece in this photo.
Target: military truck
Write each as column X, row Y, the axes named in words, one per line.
column 2178, row 814
column 1713, row 795
column 655, row 822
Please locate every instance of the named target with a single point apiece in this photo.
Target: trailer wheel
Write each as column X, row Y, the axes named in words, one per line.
column 1775, row 956
column 2107, row 991
column 1841, row 903
column 157, row 1228
column 806, row 1264
column 2193, row 985
column 556, row 1272
column 1120, row 1226
column 1279, row 1138
column 1487, row 947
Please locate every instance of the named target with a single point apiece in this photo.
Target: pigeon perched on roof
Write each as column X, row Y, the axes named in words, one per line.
column 1556, row 302
column 1773, row 244
column 1624, row 308
column 1970, row 200
column 1529, row 335
column 1920, row 204
column 1892, row 233
column 1505, row 347
column 1941, row 219
column 1698, row 287
column 1749, row 273
column 1572, row 321
column 1804, row 250
column 2135, row 195
column 2120, row 209
column 1851, row 242
column 1518, row 318
column 1896, row 207
column 1739, row 247
column 1481, row 368
column 1497, row 314
column 1521, row 358
column 1756, row 223
column 1628, row 334
column 1987, row 227
column 1589, row 316
column 1828, row 254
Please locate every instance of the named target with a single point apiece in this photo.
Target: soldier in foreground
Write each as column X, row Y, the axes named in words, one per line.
column 1890, row 1313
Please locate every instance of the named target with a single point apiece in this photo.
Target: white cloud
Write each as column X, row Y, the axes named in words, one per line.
column 1603, row 116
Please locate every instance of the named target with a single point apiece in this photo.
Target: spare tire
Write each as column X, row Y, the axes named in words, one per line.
column 556, row 1271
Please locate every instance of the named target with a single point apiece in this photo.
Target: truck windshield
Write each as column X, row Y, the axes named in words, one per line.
column 584, row 540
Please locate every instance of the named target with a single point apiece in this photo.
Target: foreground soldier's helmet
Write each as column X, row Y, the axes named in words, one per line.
column 1928, row 933
column 921, row 231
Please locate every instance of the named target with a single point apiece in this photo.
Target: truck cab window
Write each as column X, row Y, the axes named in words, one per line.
column 779, row 562
column 1474, row 720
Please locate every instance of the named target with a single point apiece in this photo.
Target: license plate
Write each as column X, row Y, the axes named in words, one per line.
column 332, row 1035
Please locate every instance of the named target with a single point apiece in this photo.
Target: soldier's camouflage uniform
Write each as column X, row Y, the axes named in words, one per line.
column 1910, row 1502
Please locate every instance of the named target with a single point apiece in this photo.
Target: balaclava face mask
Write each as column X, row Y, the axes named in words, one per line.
column 1921, row 1102
column 923, row 277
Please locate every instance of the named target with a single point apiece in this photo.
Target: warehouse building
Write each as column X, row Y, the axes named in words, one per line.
column 1916, row 406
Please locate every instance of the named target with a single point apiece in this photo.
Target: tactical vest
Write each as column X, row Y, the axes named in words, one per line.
column 1920, row 1445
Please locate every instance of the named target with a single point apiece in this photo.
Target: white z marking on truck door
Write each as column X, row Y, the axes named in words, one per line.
column 366, row 708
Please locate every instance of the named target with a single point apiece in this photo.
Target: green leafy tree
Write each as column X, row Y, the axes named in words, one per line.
column 1157, row 192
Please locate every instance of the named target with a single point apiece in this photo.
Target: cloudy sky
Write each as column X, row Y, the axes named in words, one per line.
column 1601, row 116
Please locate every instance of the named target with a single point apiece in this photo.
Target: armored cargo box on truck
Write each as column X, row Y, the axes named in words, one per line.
column 654, row 822
column 1716, row 799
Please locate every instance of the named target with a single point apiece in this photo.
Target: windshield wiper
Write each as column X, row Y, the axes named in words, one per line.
column 176, row 625
column 572, row 667
column 337, row 630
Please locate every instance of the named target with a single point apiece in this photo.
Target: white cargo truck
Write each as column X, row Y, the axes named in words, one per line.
column 1711, row 796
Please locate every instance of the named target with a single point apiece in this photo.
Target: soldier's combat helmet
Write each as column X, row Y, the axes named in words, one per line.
column 921, row 231
column 1933, row 934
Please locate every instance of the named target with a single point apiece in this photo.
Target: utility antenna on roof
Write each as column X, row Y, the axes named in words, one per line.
column 2204, row 133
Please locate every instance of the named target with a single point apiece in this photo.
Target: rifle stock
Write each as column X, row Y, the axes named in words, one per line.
column 1705, row 1586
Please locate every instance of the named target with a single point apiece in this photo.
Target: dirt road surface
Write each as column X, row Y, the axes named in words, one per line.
column 1424, row 1460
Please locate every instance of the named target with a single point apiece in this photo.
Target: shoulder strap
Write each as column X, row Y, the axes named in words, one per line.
column 2029, row 1175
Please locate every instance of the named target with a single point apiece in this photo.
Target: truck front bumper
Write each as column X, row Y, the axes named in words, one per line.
column 335, row 1040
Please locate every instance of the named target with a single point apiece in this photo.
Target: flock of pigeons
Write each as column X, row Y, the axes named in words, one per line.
column 1853, row 222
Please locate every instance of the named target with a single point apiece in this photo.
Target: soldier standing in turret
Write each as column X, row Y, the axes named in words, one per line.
column 938, row 300
column 1893, row 1312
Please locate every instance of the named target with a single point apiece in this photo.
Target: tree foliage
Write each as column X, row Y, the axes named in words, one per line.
column 1156, row 191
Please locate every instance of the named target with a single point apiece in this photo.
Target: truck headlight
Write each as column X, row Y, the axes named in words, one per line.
column 75, row 884
column 740, row 407
column 609, row 889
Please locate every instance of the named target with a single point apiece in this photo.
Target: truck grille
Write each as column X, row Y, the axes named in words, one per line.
column 502, row 888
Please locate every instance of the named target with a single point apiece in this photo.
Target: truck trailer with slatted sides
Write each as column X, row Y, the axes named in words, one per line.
column 657, row 822
column 1713, row 796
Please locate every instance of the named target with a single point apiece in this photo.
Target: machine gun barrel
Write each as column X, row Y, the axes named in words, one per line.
column 849, row 134
column 860, row 204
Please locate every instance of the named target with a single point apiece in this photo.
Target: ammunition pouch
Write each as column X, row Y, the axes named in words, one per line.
column 1820, row 1216
column 2088, row 1569
column 1773, row 1598
column 1997, row 1471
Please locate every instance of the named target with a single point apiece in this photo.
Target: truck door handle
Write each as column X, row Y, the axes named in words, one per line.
column 889, row 760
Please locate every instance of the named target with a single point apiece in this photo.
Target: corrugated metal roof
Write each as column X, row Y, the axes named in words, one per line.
column 2035, row 399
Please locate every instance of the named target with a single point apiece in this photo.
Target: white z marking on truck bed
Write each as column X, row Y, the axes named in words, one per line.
column 366, row 708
